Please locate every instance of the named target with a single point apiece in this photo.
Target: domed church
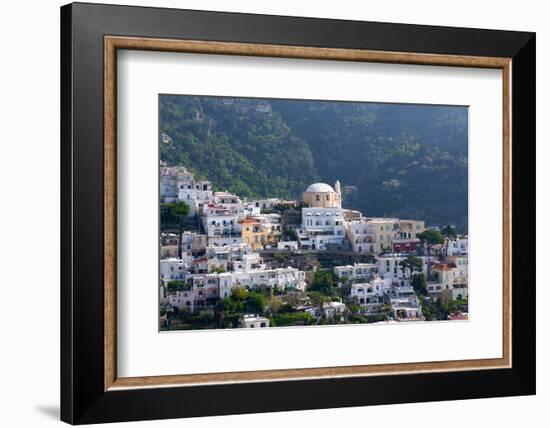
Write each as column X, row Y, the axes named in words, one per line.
column 322, row 195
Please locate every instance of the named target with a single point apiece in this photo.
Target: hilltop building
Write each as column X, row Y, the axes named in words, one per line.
column 322, row 195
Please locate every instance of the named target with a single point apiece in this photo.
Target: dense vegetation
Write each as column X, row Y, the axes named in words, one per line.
column 406, row 161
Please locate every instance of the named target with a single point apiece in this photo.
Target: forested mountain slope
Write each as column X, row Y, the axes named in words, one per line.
column 407, row 161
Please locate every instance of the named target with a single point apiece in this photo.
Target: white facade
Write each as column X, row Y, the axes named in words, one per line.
column 224, row 256
column 390, row 268
column 461, row 263
column 362, row 236
column 169, row 182
column 224, row 241
column 456, row 247
column 225, row 284
column 254, row 321
column 453, row 277
column 172, row 269
column 363, row 271
column 368, row 292
column 287, row 245
column 263, row 204
column 218, row 221
column 178, row 184
column 334, row 309
column 322, row 227
column 281, row 278
column 182, row 300
column 407, row 309
column 193, row 192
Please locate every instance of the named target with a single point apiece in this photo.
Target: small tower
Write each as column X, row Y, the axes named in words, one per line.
column 338, row 190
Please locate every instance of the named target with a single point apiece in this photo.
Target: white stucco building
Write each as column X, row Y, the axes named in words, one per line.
column 193, row 192
column 362, row 236
column 254, row 321
column 390, row 268
column 357, row 271
column 322, row 227
column 172, row 269
column 218, row 220
column 368, row 292
column 456, row 246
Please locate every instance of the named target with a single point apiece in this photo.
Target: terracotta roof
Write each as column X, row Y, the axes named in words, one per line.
column 249, row 220
column 444, row 266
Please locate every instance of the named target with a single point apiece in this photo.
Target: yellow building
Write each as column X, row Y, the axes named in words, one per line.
column 408, row 229
column 321, row 195
column 257, row 234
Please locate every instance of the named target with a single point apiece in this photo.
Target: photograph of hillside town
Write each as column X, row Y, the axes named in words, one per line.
column 277, row 213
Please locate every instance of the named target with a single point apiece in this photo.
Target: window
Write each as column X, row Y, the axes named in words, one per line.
column 327, row 198
column 317, row 198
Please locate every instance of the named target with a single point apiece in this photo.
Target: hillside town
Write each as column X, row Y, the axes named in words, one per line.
column 230, row 262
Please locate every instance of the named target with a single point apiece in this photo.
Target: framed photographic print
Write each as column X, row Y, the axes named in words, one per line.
column 266, row 213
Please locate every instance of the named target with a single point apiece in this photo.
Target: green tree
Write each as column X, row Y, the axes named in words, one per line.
column 274, row 304
column 448, row 231
column 289, row 319
column 323, row 282
column 238, row 293
column 289, row 235
column 413, row 263
column 419, row 284
column 431, row 237
column 319, row 299
column 174, row 213
column 426, row 310
column 176, row 285
column 255, row 303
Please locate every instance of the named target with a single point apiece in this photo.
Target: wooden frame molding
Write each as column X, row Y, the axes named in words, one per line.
column 113, row 43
